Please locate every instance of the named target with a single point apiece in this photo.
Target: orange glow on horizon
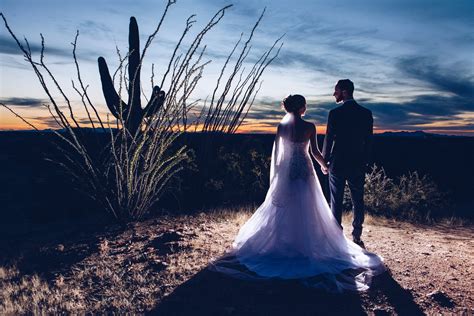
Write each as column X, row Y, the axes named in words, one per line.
column 15, row 124
column 12, row 123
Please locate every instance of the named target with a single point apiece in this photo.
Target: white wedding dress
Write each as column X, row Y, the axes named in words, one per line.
column 293, row 234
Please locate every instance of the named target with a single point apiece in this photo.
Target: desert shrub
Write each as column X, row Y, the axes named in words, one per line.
column 380, row 193
column 419, row 197
column 237, row 176
column 411, row 197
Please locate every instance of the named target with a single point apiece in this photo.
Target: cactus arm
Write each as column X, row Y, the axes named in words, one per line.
column 156, row 101
column 111, row 97
column 134, row 67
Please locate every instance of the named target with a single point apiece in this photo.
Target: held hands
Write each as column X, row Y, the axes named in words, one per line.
column 324, row 168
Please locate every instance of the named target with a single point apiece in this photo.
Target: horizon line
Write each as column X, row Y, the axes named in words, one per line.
column 376, row 132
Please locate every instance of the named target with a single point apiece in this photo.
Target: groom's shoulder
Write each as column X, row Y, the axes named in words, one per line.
column 363, row 108
column 336, row 109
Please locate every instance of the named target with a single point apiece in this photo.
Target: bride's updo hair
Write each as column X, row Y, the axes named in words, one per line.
column 293, row 103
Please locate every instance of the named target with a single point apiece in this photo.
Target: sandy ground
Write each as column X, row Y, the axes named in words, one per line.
column 159, row 267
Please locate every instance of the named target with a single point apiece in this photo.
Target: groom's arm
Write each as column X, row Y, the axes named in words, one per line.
column 329, row 138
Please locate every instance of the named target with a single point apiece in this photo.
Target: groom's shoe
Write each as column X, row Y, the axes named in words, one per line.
column 358, row 241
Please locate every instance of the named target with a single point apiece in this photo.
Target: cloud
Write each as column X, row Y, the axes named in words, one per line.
column 452, row 91
column 410, row 115
column 318, row 112
column 23, row 102
column 314, row 62
column 48, row 122
column 422, row 110
column 86, row 121
column 8, row 46
column 453, row 80
column 269, row 110
column 12, row 62
column 94, row 28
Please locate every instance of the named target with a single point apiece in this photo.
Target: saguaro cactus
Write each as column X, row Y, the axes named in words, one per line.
column 131, row 112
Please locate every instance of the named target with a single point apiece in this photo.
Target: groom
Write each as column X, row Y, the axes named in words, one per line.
column 346, row 149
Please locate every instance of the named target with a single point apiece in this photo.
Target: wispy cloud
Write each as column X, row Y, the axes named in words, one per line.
column 23, row 102
column 290, row 58
column 46, row 122
column 423, row 110
column 8, row 46
column 91, row 27
column 455, row 80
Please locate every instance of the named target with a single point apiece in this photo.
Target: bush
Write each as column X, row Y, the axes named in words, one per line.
column 236, row 175
column 419, row 197
column 411, row 197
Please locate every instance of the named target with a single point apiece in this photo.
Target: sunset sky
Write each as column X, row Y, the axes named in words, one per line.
column 411, row 60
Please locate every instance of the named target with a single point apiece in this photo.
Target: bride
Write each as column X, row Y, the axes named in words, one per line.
column 293, row 234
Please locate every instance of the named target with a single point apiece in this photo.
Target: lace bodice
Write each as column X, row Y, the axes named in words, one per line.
column 299, row 161
column 291, row 162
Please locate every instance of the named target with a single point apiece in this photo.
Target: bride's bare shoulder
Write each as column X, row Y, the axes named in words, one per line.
column 310, row 126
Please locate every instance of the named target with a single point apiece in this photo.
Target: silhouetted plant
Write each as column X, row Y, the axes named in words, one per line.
column 140, row 154
column 131, row 114
column 419, row 197
column 225, row 113
column 380, row 192
column 411, row 197
column 239, row 176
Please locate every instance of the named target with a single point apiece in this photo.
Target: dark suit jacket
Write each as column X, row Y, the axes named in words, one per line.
column 348, row 142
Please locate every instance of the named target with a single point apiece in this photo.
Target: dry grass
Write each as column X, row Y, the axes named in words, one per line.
column 129, row 271
column 136, row 268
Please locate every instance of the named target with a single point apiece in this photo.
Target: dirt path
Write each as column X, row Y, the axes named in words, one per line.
column 159, row 266
column 431, row 271
column 435, row 264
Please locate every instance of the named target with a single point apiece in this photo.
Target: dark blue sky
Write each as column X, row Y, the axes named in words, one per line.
column 411, row 61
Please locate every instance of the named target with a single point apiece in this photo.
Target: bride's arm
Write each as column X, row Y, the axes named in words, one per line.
column 315, row 150
column 275, row 154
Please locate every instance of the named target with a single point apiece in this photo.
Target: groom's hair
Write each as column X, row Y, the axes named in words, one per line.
column 293, row 103
column 346, row 84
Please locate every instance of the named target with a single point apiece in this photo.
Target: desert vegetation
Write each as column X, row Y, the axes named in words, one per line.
column 240, row 175
column 409, row 197
column 138, row 158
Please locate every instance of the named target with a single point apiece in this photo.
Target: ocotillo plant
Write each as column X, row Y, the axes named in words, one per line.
column 131, row 113
column 140, row 156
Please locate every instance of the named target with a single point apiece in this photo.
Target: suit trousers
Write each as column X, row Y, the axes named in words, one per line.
column 337, row 183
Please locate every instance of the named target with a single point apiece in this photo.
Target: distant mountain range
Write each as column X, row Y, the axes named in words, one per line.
column 415, row 134
column 408, row 134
